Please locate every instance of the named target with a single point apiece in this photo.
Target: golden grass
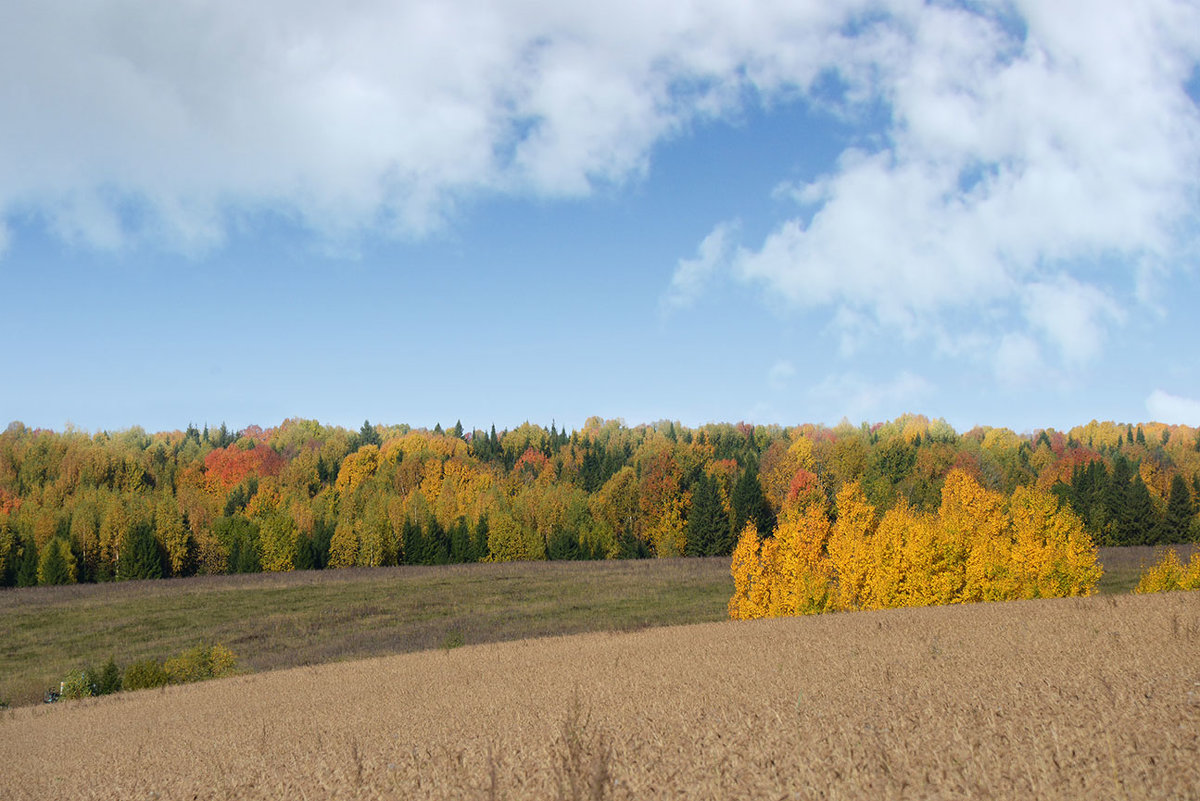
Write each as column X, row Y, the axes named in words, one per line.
column 1073, row 698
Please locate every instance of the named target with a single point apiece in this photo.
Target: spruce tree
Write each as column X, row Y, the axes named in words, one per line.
column 479, row 541
column 749, row 503
column 708, row 525
column 1138, row 522
column 1178, row 518
column 414, row 543
column 460, row 542
column 54, row 567
column 140, row 557
column 27, row 571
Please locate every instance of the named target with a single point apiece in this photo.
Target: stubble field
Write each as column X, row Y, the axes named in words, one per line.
column 1073, row 698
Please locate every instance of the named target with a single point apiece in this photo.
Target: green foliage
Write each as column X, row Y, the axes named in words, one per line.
column 27, row 567
column 141, row 557
column 77, row 684
column 144, row 675
column 57, row 564
column 708, row 526
column 108, row 680
column 749, row 503
column 200, row 664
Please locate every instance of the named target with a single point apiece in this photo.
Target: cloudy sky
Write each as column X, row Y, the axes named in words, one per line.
column 500, row 210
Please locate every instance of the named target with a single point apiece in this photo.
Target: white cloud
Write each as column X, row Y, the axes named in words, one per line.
column 691, row 275
column 1018, row 360
column 858, row 399
column 173, row 120
column 1016, row 170
column 1167, row 408
column 1071, row 315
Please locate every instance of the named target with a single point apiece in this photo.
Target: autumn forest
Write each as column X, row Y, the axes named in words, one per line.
column 80, row 507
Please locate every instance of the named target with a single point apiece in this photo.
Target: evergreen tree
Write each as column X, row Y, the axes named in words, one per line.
column 708, row 526
column 139, row 557
column 1178, row 518
column 109, row 679
column 437, row 544
column 460, row 542
column 414, row 543
column 367, row 435
column 57, row 565
column 458, row 429
column 479, row 541
column 749, row 503
column 563, row 545
column 1138, row 521
column 306, row 553
column 27, row 571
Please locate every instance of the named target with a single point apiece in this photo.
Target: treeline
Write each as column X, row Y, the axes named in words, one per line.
column 76, row 506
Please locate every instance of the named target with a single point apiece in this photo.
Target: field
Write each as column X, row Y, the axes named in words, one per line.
column 275, row 620
column 1071, row 698
column 282, row 620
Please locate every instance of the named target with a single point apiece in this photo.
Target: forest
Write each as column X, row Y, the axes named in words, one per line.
column 89, row 507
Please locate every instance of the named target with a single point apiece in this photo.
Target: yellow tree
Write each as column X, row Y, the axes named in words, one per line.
column 749, row 593
column 850, row 551
column 277, row 541
column 343, row 545
column 172, row 533
column 969, row 551
column 1052, row 555
column 796, row 569
column 357, row 468
column 890, row 574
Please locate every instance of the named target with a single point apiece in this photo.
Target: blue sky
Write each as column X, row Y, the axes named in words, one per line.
column 493, row 212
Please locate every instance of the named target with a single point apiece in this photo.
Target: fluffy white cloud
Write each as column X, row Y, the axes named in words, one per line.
column 175, row 120
column 691, row 275
column 1167, row 408
column 1035, row 166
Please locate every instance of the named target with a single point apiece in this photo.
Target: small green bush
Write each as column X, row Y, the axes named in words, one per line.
column 108, row 681
column 77, row 684
column 145, row 674
column 201, row 663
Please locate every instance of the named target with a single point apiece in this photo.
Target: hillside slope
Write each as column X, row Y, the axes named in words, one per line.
column 1072, row 698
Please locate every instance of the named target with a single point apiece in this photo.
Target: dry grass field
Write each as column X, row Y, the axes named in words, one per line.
column 1073, row 698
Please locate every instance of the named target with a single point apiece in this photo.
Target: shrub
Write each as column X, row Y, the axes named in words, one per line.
column 108, row 681
column 1170, row 574
column 77, row 684
column 145, row 674
column 200, row 663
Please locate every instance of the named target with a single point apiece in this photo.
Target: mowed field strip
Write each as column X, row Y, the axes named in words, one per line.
column 1076, row 698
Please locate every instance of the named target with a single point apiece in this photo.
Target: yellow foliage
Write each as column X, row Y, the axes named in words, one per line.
column 1170, row 574
column 746, row 567
column 1052, row 555
column 796, row 568
column 980, row 546
column 850, row 546
column 343, row 545
column 357, row 468
column 667, row 532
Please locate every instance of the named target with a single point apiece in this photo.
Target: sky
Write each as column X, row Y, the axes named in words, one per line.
column 505, row 210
